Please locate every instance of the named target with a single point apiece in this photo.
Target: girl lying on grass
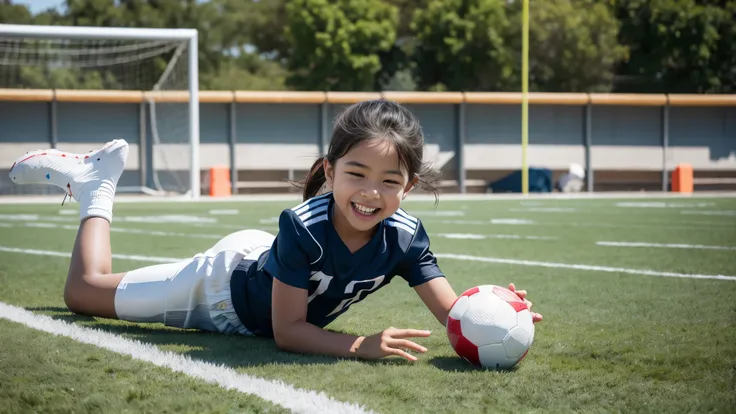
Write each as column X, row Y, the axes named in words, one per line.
column 346, row 240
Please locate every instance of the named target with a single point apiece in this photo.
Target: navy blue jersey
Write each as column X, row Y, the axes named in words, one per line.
column 309, row 254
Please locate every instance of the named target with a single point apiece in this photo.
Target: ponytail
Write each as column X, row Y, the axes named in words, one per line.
column 315, row 180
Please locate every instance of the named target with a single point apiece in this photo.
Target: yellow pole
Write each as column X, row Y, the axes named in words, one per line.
column 525, row 98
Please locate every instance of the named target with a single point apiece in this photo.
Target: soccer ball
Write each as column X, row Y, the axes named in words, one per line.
column 491, row 327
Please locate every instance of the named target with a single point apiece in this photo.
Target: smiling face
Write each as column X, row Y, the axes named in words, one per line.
column 368, row 185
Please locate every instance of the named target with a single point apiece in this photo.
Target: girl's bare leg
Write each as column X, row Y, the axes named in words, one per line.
column 91, row 180
column 90, row 284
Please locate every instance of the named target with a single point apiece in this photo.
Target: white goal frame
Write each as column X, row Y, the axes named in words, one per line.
column 128, row 33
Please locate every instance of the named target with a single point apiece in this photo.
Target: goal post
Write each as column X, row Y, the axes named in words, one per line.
column 161, row 63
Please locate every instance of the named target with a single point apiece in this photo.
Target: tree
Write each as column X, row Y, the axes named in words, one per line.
column 678, row 45
column 573, row 46
column 460, row 45
column 335, row 45
column 397, row 66
column 225, row 61
column 14, row 13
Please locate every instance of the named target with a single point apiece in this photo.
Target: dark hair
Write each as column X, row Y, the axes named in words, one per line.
column 375, row 119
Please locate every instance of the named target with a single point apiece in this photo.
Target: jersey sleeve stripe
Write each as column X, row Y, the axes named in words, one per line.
column 312, row 213
column 311, row 201
column 311, row 206
column 404, row 220
column 406, row 215
column 400, row 225
column 316, row 219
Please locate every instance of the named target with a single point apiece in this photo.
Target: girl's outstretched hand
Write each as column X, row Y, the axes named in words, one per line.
column 536, row 317
column 392, row 341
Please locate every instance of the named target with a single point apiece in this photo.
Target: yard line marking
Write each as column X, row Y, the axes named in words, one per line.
column 511, row 221
column 437, row 213
column 664, row 245
column 36, row 217
column 127, row 230
column 214, row 236
column 709, row 212
column 581, row 267
column 277, row 392
column 661, row 204
column 492, row 236
column 167, row 218
column 224, row 212
column 704, row 226
column 23, row 217
column 137, row 258
column 439, row 255
column 545, row 210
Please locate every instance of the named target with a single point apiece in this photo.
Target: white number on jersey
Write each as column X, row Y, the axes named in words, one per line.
column 375, row 283
column 324, row 281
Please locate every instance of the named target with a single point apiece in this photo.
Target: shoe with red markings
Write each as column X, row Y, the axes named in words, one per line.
column 72, row 172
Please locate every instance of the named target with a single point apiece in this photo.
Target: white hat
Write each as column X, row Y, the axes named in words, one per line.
column 577, row 170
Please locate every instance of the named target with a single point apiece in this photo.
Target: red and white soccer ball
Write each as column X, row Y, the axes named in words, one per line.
column 491, row 327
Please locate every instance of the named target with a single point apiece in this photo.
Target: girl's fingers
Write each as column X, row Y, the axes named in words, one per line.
column 407, row 344
column 404, row 354
column 410, row 333
column 536, row 317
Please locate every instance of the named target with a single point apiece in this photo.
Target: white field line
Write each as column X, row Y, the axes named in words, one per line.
column 661, row 204
column 709, row 212
column 128, row 230
column 184, row 221
column 226, row 212
column 37, row 252
column 709, row 226
column 436, row 213
column 664, row 245
column 137, row 231
column 581, row 267
column 439, row 255
column 545, row 209
column 522, row 222
column 471, row 236
column 295, row 197
column 277, row 392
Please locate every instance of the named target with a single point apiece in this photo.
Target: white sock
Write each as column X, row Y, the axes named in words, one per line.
column 96, row 200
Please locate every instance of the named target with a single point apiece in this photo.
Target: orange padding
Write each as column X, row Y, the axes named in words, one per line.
column 220, row 185
column 682, row 179
column 319, row 97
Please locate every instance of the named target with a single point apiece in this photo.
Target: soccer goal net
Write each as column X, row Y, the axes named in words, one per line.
column 88, row 85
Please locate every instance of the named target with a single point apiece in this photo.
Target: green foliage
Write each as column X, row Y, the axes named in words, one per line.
column 335, row 44
column 473, row 45
column 678, row 45
column 14, row 13
column 573, row 46
column 460, row 45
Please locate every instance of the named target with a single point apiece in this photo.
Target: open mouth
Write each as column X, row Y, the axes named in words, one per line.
column 364, row 211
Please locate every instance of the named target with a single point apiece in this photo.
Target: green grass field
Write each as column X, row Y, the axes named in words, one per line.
column 614, row 337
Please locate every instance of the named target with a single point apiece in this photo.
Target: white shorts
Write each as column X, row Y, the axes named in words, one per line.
column 194, row 293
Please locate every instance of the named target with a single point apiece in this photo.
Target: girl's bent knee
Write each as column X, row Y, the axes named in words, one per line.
column 74, row 300
column 90, row 295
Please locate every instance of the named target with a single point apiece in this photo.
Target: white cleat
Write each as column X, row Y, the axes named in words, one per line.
column 72, row 172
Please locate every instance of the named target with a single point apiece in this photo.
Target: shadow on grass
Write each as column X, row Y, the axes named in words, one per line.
column 456, row 364
column 234, row 350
